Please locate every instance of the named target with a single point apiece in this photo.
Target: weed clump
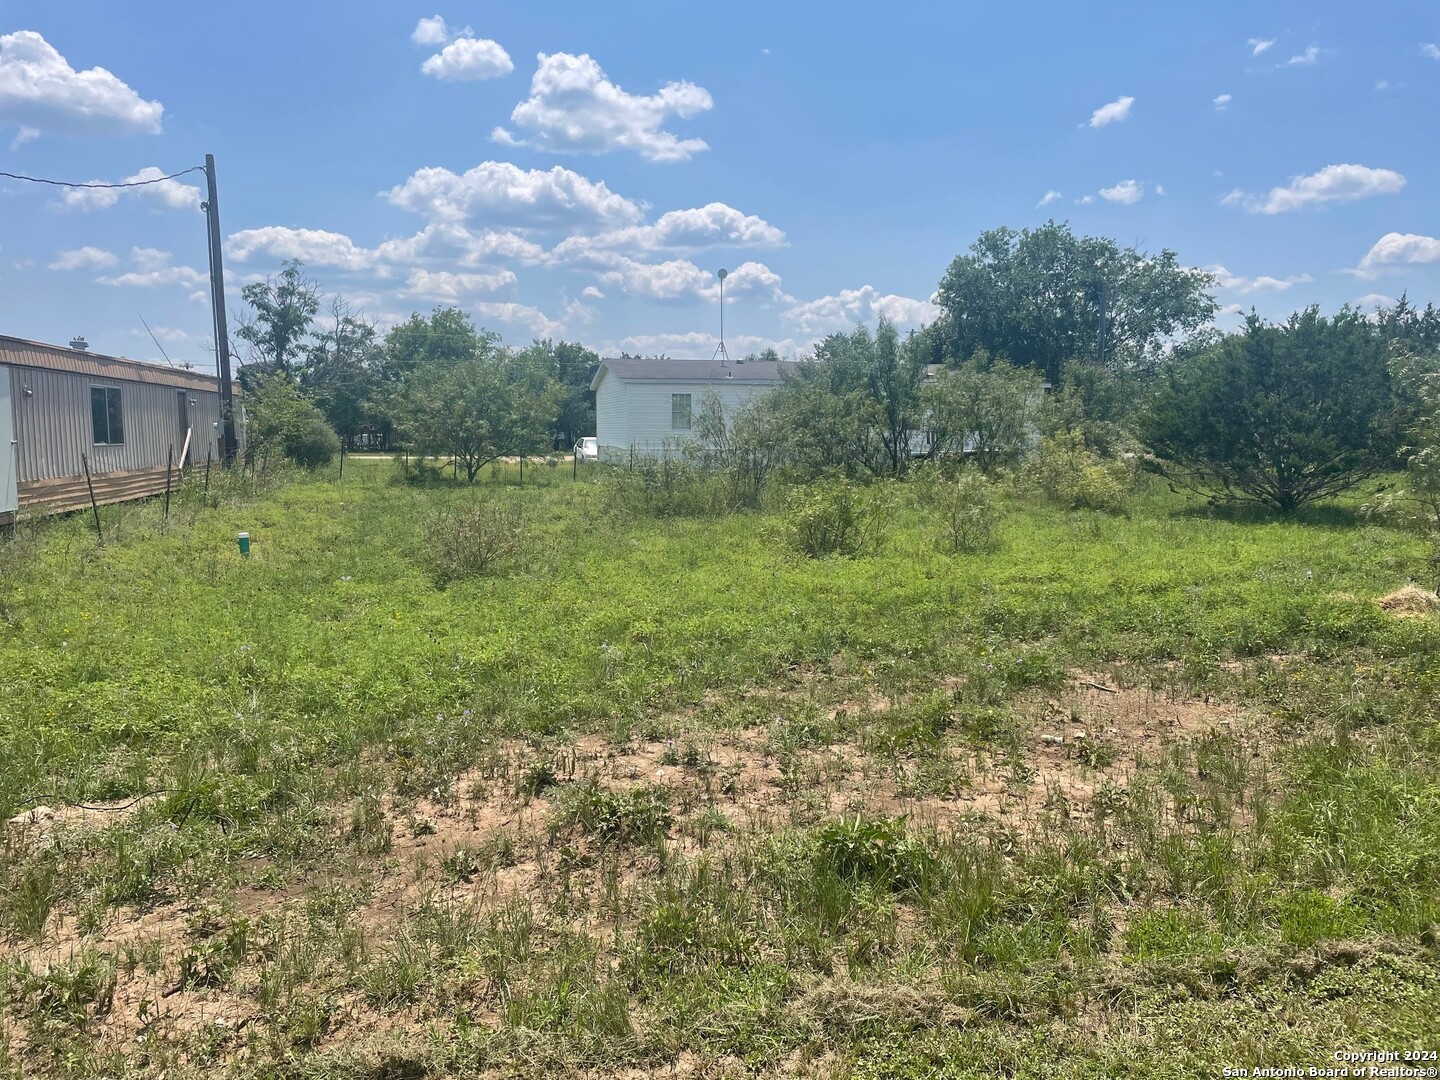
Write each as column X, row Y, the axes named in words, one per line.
column 672, row 485
column 1073, row 477
column 536, row 779
column 965, row 507
column 640, row 815
column 875, row 851
column 834, row 518
column 472, row 540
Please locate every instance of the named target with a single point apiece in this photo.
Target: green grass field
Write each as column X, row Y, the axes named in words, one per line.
column 1127, row 796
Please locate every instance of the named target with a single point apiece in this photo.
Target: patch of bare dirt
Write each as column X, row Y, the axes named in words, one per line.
column 1066, row 751
column 40, row 827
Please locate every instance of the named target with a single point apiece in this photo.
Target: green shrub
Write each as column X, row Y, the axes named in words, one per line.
column 281, row 420
column 315, row 444
column 472, row 540
column 834, row 517
column 965, row 506
column 1073, row 477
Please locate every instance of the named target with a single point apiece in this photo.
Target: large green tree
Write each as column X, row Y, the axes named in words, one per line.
column 477, row 408
column 342, row 371
column 572, row 366
column 1417, row 503
column 446, row 334
column 986, row 409
column 1280, row 415
column 1034, row 297
column 277, row 324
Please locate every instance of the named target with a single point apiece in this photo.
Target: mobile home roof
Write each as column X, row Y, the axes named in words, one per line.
column 36, row 354
column 763, row 371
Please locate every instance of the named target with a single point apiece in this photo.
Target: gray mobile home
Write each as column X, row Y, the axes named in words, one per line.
column 60, row 407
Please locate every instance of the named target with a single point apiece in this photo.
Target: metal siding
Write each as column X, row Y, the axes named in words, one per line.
column 612, row 417
column 9, row 497
column 53, row 424
column 649, row 409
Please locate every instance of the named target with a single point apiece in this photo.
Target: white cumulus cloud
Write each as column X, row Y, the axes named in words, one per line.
column 438, row 242
column 866, row 304
column 532, row 318
column 1310, row 56
column 1048, row 198
column 1399, row 249
column 1126, row 192
column 1221, row 100
column 41, row 93
column 314, row 247
column 431, row 31
column 84, row 258
column 573, row 108
column 712, row 225
column 672, row 281
column 1430, row 49
column 152, row 269
column 446, row 240
column 469, row 58
column 174, row 194
column 1112, row 112
column 505, row 194
column 1259, row 45
column 452, row 288
column 1333, row 183
column 1263, row 283
column 679, row 281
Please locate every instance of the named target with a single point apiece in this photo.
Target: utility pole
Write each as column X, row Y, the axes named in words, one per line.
column 228, row 442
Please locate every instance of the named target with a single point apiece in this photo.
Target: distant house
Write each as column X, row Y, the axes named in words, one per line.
column 62, row 407
column 649, row 407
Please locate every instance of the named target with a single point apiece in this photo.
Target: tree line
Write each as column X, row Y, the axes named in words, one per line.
column 1040, row 332
column 1043, row 333
column 315, row 381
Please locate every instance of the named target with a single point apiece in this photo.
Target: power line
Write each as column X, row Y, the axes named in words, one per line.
column 126, row 184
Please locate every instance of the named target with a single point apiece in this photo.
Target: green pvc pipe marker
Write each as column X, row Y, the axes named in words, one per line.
column 243, row 539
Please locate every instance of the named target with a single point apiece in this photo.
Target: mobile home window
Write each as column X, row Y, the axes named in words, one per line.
column 105, row 415
column 679, row 412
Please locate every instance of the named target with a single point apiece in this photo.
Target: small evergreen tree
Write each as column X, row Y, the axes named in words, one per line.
column 1279, row 415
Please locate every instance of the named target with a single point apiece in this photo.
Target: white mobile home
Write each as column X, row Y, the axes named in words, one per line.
column 61, row 408
column 649, row 407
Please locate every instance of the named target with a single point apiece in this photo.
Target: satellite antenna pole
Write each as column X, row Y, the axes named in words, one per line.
column 720, row 349
column 155, row 339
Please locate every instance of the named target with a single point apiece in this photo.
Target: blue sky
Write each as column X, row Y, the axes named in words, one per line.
column 581, row 170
